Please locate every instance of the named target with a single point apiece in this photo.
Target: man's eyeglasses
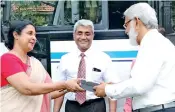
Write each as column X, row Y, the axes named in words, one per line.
column 126, row 24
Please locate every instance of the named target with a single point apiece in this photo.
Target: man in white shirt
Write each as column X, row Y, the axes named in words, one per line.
column 95, row 67
column 152, row 82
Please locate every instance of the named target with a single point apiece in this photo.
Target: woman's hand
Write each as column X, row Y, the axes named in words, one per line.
column 73, row 85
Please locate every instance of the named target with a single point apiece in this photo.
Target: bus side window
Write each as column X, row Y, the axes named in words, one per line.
column 39, row 12
column 115, row 12
column 72, row 11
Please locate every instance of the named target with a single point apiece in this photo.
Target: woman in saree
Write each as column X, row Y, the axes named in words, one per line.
column 25, row 84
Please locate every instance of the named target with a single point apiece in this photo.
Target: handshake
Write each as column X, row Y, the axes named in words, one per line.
column 80, row 85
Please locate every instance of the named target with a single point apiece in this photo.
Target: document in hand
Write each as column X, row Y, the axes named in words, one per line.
column 88, row 85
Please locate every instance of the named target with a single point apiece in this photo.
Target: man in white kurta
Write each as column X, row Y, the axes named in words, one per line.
column 152, row 82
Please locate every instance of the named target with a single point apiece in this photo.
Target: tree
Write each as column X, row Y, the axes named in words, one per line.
column 28, row 10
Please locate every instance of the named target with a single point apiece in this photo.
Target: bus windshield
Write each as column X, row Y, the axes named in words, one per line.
column 104, row 14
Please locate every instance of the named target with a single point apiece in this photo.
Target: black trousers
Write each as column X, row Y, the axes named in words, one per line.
column 166, row 110
column 96, row 105
column 162, row 110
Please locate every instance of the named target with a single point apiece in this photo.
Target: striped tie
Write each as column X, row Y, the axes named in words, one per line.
column 81, row 96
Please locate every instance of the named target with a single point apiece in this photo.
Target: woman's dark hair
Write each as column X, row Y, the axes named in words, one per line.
column 17, row 26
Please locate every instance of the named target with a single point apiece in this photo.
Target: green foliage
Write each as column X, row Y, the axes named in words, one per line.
column 26, row 10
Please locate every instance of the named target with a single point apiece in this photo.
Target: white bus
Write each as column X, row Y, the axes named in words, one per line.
column 55, row 20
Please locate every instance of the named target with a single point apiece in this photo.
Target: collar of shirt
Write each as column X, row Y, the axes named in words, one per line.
column 147, row 35
column 87, row 52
